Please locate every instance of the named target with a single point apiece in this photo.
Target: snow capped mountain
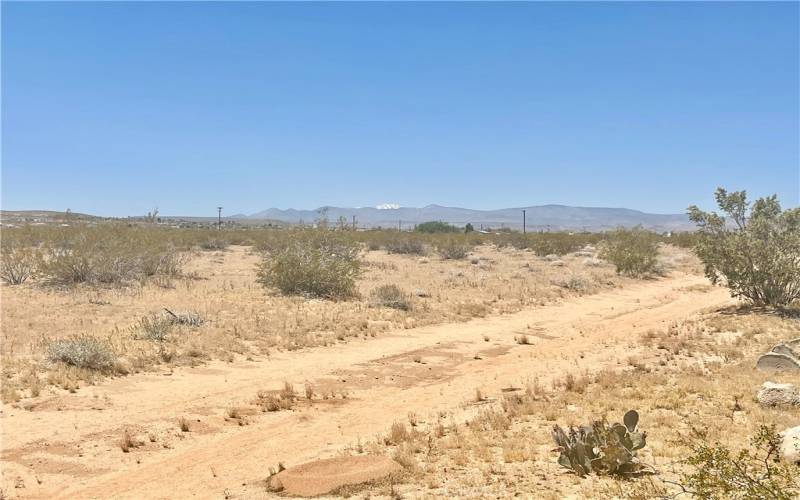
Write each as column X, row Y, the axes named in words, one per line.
column 387, row 206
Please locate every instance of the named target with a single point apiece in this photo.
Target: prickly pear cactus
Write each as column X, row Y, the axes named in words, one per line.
column 602, row 448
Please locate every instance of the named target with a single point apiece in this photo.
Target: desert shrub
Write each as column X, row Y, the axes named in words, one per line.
column 542, row 244
column 109, row 255
column 406, row 245
column 390, row 296
column 602, row 448
column 18, row 264
column 436, row 227
column 453, row 248
column 214, row 244
column 167, row 262
column 632, row 251
column 154, row 327
column 312, row 264
column 715, row 472
column 756, row 254
column 83, row 352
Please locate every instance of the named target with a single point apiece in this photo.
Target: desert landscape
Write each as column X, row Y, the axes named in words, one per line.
column 435, row 367
column 399, row 250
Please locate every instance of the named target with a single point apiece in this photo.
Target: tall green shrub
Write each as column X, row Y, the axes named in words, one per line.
column 756, row 254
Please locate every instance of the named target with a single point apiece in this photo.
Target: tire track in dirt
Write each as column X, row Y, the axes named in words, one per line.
column 424, row 370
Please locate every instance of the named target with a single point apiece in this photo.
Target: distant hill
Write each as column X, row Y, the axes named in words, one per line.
column 543, row 217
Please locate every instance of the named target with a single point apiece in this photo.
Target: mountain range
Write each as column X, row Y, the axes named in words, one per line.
column 542, row 217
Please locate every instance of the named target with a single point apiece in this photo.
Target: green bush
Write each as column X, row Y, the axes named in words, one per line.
column 390, row 296
column 436, row 227
column 756, row 254
column 634, row 252
column 312, row 264
column 83, row 352
column 715, row 472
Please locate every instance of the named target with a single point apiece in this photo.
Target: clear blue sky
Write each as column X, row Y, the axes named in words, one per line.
column 115, row 108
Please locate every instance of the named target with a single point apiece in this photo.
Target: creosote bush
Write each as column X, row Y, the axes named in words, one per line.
column 406, row 245
column 312, row 264
column 715, row 472
column 390, row 296
column 453, row 248
column 17, row 264
column 82, row 352
column 633, row 252
column 756, row 255
column 106, row 255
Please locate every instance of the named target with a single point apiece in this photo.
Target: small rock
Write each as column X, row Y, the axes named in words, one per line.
column 773, row 361
column 557, row 263
column 772, row 394
column 786, row 348
column 323, row 476
column 790, row 445
column 419, row 292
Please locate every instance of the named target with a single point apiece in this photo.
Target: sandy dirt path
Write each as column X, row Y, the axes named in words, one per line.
column 68, row 445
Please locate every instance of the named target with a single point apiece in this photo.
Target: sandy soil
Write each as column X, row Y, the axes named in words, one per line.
column 68, row 445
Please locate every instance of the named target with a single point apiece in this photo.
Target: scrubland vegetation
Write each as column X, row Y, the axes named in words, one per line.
column 123, row 275
column 89, row 301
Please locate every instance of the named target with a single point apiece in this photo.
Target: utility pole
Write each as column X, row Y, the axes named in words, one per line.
column 354, row 223
column 523, row 221
column 399, row 225
column 219, row 218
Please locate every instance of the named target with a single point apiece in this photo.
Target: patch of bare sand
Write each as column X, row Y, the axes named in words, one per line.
column 324, row 476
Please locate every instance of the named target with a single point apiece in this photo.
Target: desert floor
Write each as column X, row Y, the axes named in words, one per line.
column 443, row 364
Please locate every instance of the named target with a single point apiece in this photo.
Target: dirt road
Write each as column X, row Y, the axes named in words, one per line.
column 68, row 445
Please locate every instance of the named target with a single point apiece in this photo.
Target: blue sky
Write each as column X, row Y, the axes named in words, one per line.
column 116, row 108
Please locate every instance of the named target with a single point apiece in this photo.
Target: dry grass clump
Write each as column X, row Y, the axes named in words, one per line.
column 284, row 399
column 390, row 296
column 183, row 424
column 214, row 244
column 129, row 442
